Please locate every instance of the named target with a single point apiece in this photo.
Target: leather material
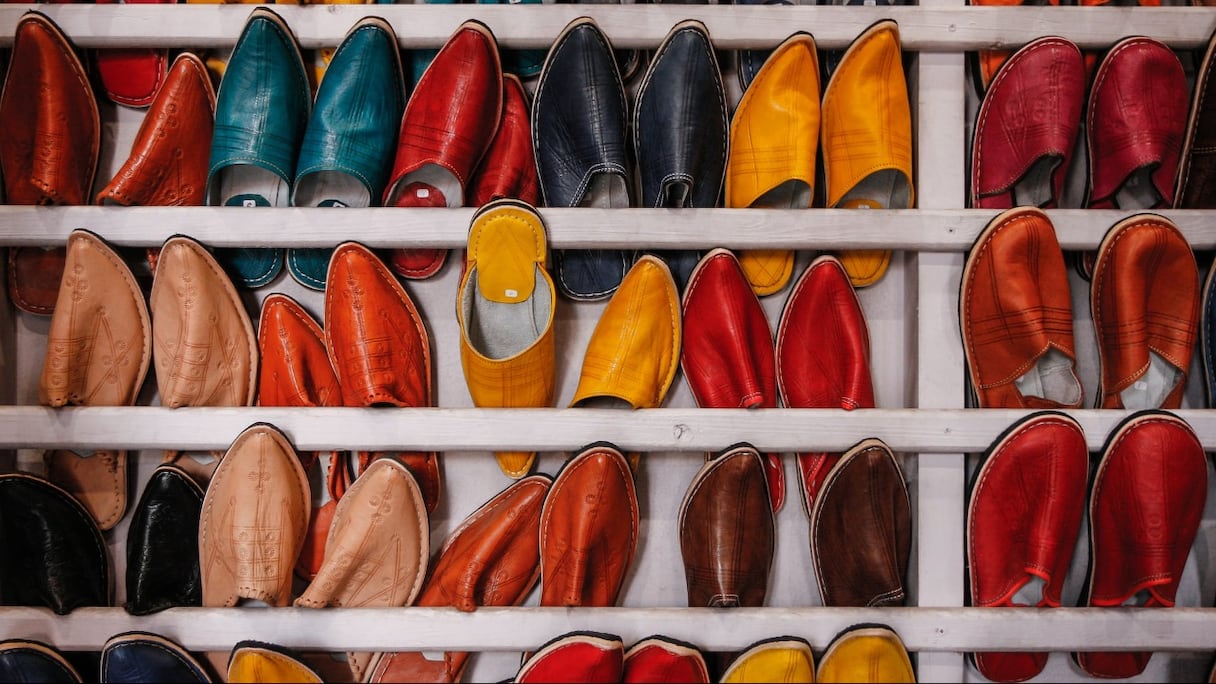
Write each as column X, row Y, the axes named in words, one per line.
column 680, row 130
column 505, row 308
column 162, row 544
column 1145, row 508
column 348, row 146
column 133, row 76
column 254, row 661
column 774, row 141
column 1016, row 312
column 203, row 347
column 99, row 346
column 1136, row 120
column 867, row 138
column 579, row 130
column 376, row 550
column 861, row 529
column 380, row 348
column 866, row 653
column 1207, row 335
column 49, row 149
column 1195, row 187
column 988, row 62
column 1145, row 307
column 576, row 658
column 254, row 517
column 780, row 659
column 634, row 351
column 832, row 373
column 312, row 555
column 1027, row 127
column 491, row 559
column 588, row 530
column 727, row 532
column 509, row 167
column 1023, row 516
column 728, row 357
column 449, row 123
column 261, row 111
column 662, row 659
column 23, row 660
column 137, row 657
column 54, row 554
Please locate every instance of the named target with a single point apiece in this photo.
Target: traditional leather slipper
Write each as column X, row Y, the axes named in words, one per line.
column 1145, row 508
column 162, row 543
column 505, row 307
column 448, row 125
column 588, row 530
column 99, row 347
column 380, row 349
column 866, row 653
column 509, row 168
column 377, row 548
column 663, row 659
column 832, row 373
column 867, row 138
column 257, row 662
column 1023, row 515
column 1019, row 159
column 985, row 63
column 138, row 657
column 133, row 76
column 1015, row 312
column 491, row 559
column 727, row 531
column 1145, row 307
column 348, row 146
column 580, row 126
column 774, row 142
column 780, row 659
column 1195, row 187
column 48, row 149
column 24, row 660
column 727, row 354
column 261, row 111
column 861, row 529
column 680, row 129
column 1208, row 337
column 254, row 518
column 54, row 553
column 576, row 658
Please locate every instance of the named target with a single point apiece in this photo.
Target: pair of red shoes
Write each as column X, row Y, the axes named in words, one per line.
column 1026, row 504
column 588, row 657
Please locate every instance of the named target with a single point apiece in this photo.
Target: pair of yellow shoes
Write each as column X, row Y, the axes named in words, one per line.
column 865, row 126
column 505, row 308
column 866, row 653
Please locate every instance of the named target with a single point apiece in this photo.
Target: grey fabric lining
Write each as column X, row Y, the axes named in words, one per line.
column 1052, row 377
column 606, row 191
column 336, row 186
column 1138, row 191
column 501, row 330
column 888, row 188
column 1149, row 391
column 602, row 402
column 435, row 176
column 791, row 194
column 1031, row 593
column 1034, row 187
column 246, row 179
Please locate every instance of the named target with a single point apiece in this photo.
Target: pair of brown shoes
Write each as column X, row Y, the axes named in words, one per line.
column 1016, row 315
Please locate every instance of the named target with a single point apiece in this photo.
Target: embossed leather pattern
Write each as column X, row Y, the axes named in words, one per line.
column 162, row 544
column 449, row 123
column 147, row 657
column 1145, row 508
column 1015, row 307
column 728, row 355
column 727, row 532
column 1027, row 127
column 579, row 127
column 861, row 529
column 203, row 345
column 254, row 517
column 54, row 554
column 588, row 530
column 49, row 146
column 509, row 167
column 680, row 130
column 1195, row 187
column 774, row 143
column 491, row 559
column 663, row 659
column 835, row 371
column 1023, row 516
column 1145, row 305
column 866, row 653
column 575, row 657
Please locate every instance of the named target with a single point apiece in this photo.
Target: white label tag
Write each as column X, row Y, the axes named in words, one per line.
column 248, row 203
column 511, row 294
column 422, row 193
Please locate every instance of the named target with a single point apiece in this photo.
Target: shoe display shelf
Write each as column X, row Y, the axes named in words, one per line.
column 916, row 360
